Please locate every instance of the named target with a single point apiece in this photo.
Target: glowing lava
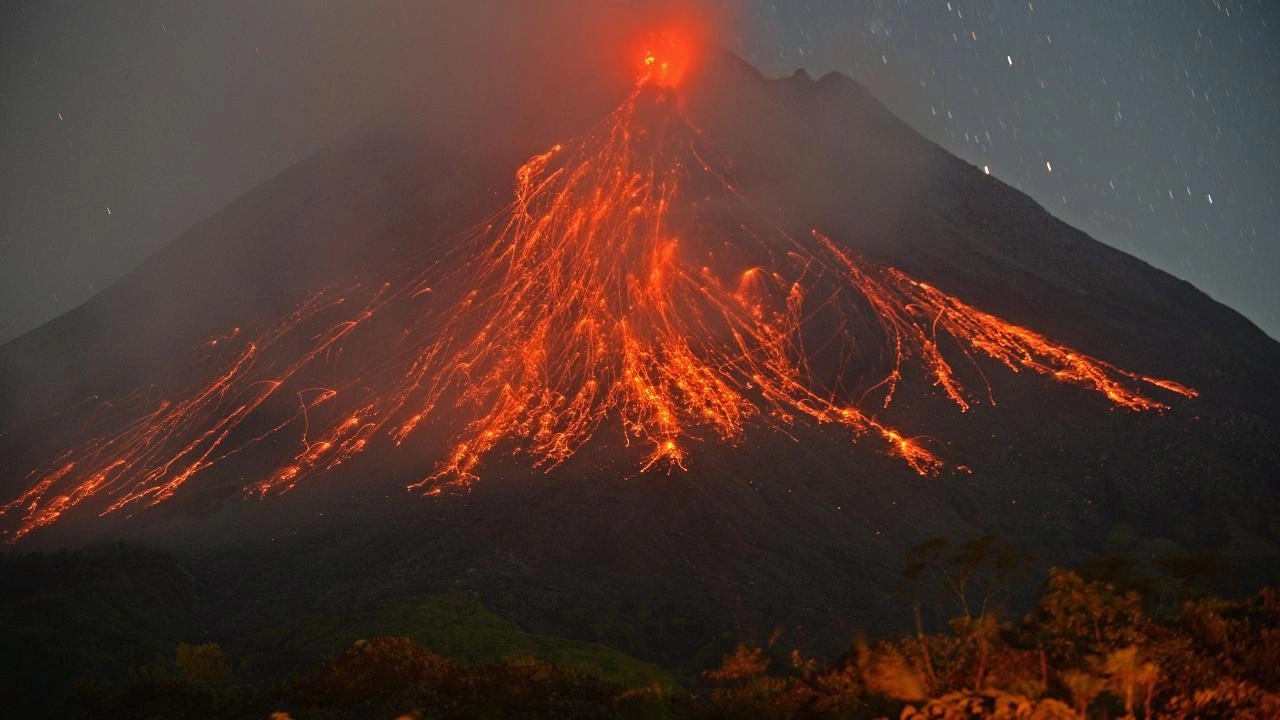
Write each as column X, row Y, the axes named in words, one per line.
column 666, row 58
column 627, row 285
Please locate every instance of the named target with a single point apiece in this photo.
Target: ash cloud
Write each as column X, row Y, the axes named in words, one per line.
column 124, row 124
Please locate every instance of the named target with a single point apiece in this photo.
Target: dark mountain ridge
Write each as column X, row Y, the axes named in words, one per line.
column 803, row 530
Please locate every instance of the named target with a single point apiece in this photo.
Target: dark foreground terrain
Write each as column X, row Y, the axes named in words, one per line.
column 112, row 632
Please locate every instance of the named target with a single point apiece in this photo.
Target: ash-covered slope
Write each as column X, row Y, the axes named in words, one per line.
column 785, row 523
column 828, row 155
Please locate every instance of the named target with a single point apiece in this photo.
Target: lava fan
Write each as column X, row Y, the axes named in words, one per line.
column 628, row 285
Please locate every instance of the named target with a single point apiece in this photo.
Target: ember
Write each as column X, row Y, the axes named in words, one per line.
column 628, row 284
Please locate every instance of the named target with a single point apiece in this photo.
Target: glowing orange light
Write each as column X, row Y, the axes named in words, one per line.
column 598, row 297
column 667, row 58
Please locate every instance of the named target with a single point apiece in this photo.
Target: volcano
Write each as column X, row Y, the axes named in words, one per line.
column 709, row 364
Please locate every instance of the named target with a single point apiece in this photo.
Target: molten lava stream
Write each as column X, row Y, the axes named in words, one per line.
column 628, row 283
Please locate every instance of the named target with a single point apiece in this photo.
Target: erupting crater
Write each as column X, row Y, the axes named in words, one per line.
column 628, row 283
column 667, row 58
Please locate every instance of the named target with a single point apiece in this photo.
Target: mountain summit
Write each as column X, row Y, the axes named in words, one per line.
column 714, row 361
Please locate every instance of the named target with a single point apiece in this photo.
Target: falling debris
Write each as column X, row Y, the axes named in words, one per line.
column 604, row 293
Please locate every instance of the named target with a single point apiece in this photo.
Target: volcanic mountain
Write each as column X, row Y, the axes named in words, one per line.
column 708, row 361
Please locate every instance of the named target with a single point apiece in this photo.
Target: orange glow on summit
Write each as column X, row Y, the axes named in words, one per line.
column 667, row 58
column 628, row 290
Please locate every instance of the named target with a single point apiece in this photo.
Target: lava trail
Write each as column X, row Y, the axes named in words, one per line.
column 628, row 283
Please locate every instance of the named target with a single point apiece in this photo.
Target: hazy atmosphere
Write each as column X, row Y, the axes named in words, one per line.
column 1149, row 125
column 640, row 359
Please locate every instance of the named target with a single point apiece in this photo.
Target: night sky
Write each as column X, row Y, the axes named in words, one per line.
column 1153, row 126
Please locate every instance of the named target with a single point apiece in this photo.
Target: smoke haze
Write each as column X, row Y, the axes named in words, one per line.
column 144, row 119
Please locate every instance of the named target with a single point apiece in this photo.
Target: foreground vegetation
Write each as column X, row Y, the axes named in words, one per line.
column 1086, row 650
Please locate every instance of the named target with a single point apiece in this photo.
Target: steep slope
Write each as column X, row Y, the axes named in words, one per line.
column 779, row 519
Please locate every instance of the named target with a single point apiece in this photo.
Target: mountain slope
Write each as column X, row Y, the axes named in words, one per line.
column 785, row 523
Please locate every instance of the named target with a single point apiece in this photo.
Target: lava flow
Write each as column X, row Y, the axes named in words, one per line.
column 628, row 284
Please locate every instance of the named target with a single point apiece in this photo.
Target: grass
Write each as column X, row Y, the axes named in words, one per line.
column 456, row 627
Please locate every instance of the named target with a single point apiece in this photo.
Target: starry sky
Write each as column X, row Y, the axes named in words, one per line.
column 1153, row 125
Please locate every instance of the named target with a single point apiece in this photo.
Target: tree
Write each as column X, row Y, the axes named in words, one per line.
column 974, row 574
column 745, row 684
column 1147, row 677
column 1075, row 618
column 203, row 666
column 886, row 671
column 384, row 676
column 1084, row 688
column 1129, row 676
